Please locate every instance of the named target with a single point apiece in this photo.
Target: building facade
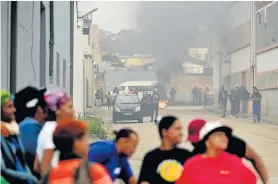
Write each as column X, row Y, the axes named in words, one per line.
column 37, row 44
column 236, row 62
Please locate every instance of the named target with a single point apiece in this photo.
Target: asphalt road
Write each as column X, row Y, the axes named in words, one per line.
column 262, row 137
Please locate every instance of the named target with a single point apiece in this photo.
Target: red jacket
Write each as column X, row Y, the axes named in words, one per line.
column 224, row 169
column 64, row 172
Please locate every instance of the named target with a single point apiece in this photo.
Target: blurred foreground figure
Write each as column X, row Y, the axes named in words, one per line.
column 114, row 154
column 59, row 106
column 236, row 146
column 71, row 139
column 30, row 105
column 214, row 165
column 13, row 165
column 163, row 165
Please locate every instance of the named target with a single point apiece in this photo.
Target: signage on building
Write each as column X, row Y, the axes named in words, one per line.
column 261, row 4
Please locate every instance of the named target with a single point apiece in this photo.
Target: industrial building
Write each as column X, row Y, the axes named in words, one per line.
column 37, row 44
column 246, row 50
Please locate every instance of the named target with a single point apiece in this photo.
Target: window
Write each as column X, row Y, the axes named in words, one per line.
column 51, row 41
column 267, row 27
column 58, row 69
column 64, row 73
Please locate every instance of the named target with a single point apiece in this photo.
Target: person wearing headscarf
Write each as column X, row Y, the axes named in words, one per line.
column 30, row 105
column 13, row 166
column 213, row 164
column 71, row 140
column 59, row 106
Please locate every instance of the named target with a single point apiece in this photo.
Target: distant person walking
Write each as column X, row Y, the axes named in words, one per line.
column 109, row 100
column 222, row 100
column 155, row 104
column 256, row 106
column 173, row 95
column 98, row 99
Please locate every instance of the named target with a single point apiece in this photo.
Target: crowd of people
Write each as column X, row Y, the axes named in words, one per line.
column 202, row 96
column 42, row 142
column 239, row 98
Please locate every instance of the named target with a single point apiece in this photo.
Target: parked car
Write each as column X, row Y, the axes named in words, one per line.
column 127, row 107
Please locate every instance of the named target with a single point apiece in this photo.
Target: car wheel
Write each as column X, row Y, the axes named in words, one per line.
column 141, row 120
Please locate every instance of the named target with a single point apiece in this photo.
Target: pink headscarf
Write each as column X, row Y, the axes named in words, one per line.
column 56, row 99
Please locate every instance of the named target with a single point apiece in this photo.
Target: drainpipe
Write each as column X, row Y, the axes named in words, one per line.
column 253, row 42
column 71, row 44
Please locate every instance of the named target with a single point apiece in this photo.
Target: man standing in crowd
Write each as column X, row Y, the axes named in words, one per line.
column 222, row 100
column 232, row 101
column 195, row 95
column 31, row 106
column 244, row 97
column 13, row 165
column 236, row 101
column 163, row 165
column 236, row 146
column 155, row 103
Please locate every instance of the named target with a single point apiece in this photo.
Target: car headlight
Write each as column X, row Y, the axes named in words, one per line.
column 137, row 109
column 117, row 109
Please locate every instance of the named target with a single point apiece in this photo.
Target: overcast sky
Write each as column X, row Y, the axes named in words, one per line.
column 111, row 16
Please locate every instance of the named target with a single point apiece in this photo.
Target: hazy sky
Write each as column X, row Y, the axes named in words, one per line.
column 111, row 16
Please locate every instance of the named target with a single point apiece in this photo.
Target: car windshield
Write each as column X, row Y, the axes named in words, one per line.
column 128, row 99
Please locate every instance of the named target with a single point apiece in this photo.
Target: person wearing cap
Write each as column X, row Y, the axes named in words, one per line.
column 114, row 154
column 71, row 140
column 30, row 114
column 213, row 164
column 13, row 165
column 236, row 146
column 59, row 106
column 163, row 165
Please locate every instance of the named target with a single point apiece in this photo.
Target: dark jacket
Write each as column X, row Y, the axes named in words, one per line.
column 223, row 98
column 8, row 162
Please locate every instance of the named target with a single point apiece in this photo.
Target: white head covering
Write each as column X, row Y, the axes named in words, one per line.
column 211, row 126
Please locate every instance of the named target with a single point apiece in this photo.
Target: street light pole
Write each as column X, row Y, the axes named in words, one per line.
column 253, row 58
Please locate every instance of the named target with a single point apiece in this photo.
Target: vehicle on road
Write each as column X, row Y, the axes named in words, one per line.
column 127, row 107
column 139, row 86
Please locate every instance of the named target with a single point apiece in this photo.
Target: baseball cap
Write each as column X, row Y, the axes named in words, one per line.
column 194, row 130
column 211, row 127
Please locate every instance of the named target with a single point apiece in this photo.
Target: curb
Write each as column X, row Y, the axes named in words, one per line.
column 216, row 111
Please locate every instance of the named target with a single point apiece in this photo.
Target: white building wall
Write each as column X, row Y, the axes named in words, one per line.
column 267, row 61
column 240, row 60
column 78, row 65
column 31, row 66
column 5, row 46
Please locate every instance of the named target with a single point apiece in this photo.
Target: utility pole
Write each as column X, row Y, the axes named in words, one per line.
column 253, row 58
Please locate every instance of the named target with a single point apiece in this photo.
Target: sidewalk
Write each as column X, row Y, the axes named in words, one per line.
column 265, row 119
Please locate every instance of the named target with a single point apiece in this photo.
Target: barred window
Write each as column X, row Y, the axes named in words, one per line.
column 267, row 27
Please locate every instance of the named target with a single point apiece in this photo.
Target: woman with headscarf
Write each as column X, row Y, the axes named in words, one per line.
column 214, row 165
column 13, row 166
column 59, row 106
column 71, row 139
